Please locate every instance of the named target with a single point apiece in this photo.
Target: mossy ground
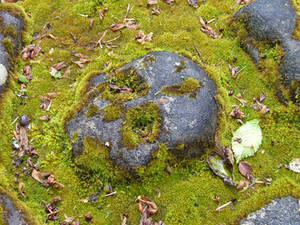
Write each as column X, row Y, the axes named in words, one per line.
column 176, row 29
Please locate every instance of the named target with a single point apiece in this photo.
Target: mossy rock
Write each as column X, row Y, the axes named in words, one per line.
column 146, row 102
column 274, row 21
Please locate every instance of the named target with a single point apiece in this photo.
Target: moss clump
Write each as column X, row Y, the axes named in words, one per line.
column 296, row 33
column 9, row 30
column 113, row 112
column 91, row 111
column 180, row 66
column 142, row 123
column 188, row 86
column 9, row 46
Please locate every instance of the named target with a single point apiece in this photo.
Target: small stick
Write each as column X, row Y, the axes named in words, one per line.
column 197, row 49
column 116, row 38
column 110, row 194
column 211, row 20
column 241, row 70
column 127, row 12
column 99, row 42
column 223, row 206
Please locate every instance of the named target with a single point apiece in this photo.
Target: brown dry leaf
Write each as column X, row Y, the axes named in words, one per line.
column 155, row 10
column 118, row 26
column 45, row 179
column 101, row 13
column 21, row 189
column 58, row 66
column 234, row 71
column 142, row 38
column 31, row 51
column 92, row 21
column 243, row 183
column 237, row 113
column 67, row 72
column 208, row 30
column 146, row 205
column 81, row 62
column 131, row 24
column 46, row 103
column 193, row 3
column 53, row 94
column 245, row 169
column 27, row 72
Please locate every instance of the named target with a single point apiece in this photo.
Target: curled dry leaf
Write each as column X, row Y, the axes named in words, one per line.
column 208, row 30
column 245, row 169
column 237, row 113
column 155, row 10
column 193, row 3
column 49, row 36
column 102, row 13
column 58, row 66
column 52, row 210
column 259, row 106
column 146, row 205
column 234, row 70
column 45, row 179
column 243, row 184
column 46, row 103
column 169, row 1
column 118, row 26
column 92, row 21
column 31, row 51
column 27, row 73
column 142, row 37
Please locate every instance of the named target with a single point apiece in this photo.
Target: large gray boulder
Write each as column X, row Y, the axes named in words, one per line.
column 275, row 21
column 281, row 211
column 11, row 28
column 187, row 120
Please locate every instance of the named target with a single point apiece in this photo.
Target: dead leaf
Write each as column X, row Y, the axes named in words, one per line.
column 146, row 205
column 45, row 179
column 234, row 71
column 243, row 184
column 155, row 10
column 118, row 26
column 31, row 51
column 46, row 103
column 45, row 118
column 27, row 73
column 208, row 30
column 193, row 3
column 92, row 21
column 67, row 72
column 151, row 2
column 101, row 13
column 142, row 38
column 58, row 66
column 237, row 113
column 48, row 35
column 245, row 169
column 53, row 94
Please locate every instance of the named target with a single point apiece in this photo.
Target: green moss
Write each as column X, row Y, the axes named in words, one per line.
column 296, row 33
column 188, row 86
column 91, row 110
column 142, row 123
column 113, row 112
column 9, row 30
column 9, row 45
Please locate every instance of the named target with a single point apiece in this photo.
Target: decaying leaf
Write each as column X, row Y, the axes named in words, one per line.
column 45, row 179
column 243, row 184
column 208, row 30
column 237, row 113
column 151, row 2
column 220, row 168
column 245, row 169
column 21, row 189
column 48, row 35
column 259, row 106
column 193, row 3
column 51, row 209
column 169, row 1
column 155, row 10
column 234, row 70
column 31, row 51
column 142, row 37
column 27, row 73
column 102, row 13
column 46, row 103
column 146, row 205
column 294, row 165
column 250, row 135
column 58, row 66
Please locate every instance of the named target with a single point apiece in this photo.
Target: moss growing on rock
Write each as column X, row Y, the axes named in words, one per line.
column 142, row 123
column 188, row 86
column 91, row 110
column 9, row 30
column 9, row 45
column 113, row 112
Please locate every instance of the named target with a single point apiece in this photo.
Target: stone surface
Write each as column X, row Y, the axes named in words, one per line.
column 6, row 20
column 281, row 211
column 11, row 214
column 191, row 121
column 273, row 21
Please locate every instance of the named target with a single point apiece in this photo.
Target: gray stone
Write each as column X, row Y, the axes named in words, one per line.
column 191, row 121
column 281, row 211
column 273, row 21
column 18, row 23
column 11, row 214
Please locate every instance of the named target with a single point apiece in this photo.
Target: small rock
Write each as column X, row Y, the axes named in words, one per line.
column 24, row 121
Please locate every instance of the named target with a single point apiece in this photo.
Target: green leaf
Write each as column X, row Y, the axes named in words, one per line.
column 54, row 73
column 23, row 79
column 250, row 138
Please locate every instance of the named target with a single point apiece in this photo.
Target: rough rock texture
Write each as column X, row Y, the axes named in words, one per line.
column 11, row 214
column 185, row 120
column 7, row 19
column 281, row 211
column 273, row 21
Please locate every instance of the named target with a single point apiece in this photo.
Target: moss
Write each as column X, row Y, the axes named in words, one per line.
column 9, row 30
column 188, row 86
column 142, row 123
column 91, row 110
column 9, row 45
column 113, row 112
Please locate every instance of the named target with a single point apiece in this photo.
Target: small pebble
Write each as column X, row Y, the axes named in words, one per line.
column 24, row 121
